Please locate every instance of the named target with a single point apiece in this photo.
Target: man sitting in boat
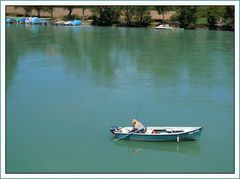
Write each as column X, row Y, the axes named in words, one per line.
column 137, row 126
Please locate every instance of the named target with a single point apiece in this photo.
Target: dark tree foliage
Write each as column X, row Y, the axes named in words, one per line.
column 143, row 17
column 187, row 17
column 105, row 15
column 220, row 17
column 49, row 9
column 229, row 17
column 212, row 18
column 137, row 16
column 229, row 12
column 129, row 12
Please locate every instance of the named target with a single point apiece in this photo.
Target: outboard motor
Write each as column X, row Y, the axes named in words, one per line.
column 114, row 129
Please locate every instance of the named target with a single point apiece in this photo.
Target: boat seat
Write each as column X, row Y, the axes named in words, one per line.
column 169, row 130
column 148, row 131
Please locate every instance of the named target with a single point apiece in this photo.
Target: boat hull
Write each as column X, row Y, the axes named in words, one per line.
column 178, row 136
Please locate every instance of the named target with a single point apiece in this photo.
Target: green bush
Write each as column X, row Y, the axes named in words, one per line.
column 187, row 17
column 174, row 18
column 202, row 21
column 106, row 15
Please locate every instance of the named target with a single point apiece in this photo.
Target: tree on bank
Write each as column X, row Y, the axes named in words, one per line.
column 83, row 12
column 229, row 17
column 162, row 10
column 70, row 15
column 220, row 17
column 187, row 17
column 38, row 9
column 50, row 10
column 136, row 16
column 143, row 17
column 70, row 10
column 212, row 17
column 28, row 10
column 106, row 15
column 129, row 12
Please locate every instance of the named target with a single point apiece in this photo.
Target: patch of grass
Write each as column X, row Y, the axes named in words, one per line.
column 202, row 21
column 72, row 17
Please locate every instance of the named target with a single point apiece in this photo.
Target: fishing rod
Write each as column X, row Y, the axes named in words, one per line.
column 137, row 114
column 138, row 111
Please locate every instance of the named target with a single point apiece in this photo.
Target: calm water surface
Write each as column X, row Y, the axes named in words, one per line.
column 67, row 86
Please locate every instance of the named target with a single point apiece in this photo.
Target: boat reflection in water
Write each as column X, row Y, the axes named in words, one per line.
column 186, row 147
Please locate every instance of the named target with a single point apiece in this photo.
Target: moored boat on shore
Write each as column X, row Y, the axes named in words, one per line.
column 164, row 27
column 59, row 23
column 21, row 20
column 167, row 27
column 67, row 23
column 10, row 20
column 75, row 22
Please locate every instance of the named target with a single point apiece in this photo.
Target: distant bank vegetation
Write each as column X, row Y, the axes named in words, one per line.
column 188, row 17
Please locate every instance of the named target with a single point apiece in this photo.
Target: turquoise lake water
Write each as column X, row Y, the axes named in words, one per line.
column 66, row 86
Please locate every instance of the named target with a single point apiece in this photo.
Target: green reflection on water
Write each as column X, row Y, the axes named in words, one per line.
column 67, row 86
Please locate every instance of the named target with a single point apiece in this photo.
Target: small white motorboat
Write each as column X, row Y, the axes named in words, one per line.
column 68, row 23
column 59, row 23
column 164, row 27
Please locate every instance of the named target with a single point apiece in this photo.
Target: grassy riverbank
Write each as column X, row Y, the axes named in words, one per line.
column 187, row 17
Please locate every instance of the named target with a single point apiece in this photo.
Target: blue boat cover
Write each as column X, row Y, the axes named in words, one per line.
column 75, row 22
column 35, row 20
column 43, row 21
column 22, row 20
column 9, row 20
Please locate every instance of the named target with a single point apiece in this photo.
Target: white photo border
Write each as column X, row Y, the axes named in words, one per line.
column 129, row 3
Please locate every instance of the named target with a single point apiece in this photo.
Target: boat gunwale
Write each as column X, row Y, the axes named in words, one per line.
column 163, row 134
